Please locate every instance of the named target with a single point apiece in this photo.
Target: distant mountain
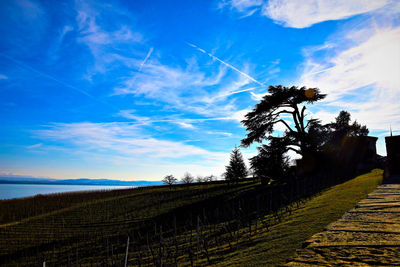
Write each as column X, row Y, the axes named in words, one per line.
column 82, row 181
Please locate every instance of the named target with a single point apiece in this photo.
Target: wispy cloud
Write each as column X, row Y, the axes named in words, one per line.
column 187, row 89
column 246, row 7
column 101, row 42
column 34, row 146
column 31, row 9
column 3, row 77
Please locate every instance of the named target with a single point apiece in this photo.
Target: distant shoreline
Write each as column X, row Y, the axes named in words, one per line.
column 61, row 183
column 84, row 182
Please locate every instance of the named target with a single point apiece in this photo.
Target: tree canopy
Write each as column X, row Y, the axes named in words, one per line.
column 271, row 163
column 236, row 169
column 187, row 178
column 305, row 137
column 342, row 127
column 169, row 180
column 281, row 101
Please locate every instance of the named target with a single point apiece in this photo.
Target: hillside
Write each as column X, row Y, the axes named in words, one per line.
column 199, row 224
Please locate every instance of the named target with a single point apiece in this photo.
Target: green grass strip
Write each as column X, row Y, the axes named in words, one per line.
column 276, row 246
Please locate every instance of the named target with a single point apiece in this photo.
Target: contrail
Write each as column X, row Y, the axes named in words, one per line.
column 146, row 58
column 226, row 64
column 320, row 71
column 25, row 66
column 239, row 91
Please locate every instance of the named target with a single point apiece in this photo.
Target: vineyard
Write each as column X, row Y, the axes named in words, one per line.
column 185, row 225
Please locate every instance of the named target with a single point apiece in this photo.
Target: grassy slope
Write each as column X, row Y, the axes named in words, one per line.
column 275, row 246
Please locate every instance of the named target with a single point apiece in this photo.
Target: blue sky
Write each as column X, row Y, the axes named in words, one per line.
column 139, row 89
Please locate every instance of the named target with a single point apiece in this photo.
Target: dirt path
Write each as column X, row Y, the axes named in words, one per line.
column 367, row 235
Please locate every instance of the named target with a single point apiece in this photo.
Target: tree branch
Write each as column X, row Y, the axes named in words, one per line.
column 295, row 115
column 287, row 125
column 302, row 118
column 283, row 111
column 308, row 123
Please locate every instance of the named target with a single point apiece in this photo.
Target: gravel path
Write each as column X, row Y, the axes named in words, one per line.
column 368, row 235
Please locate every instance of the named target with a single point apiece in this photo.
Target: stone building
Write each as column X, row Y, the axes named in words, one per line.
column 352, row 156
column 392, row 169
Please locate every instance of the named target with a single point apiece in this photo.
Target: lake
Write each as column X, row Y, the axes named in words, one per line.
column 8, row 191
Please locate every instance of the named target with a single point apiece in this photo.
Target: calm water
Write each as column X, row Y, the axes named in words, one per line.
column 8, row 191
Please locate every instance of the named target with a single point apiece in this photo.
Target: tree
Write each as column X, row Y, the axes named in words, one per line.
column 342, row 127
column 199, row 179
column 169, row 180
column 271, row 163
column 280, row 100
column 236, row 169
column 210, row 178
column 187, row 178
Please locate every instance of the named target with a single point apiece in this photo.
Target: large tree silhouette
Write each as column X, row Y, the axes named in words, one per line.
column 281, row 101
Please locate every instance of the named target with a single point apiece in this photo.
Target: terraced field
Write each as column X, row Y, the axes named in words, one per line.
column 78, row 232
column 201, row 224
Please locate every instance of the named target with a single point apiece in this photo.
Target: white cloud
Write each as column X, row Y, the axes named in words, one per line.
column 375, row 61
column 118, row 139
column 219, row 133
column 281, row 127
column 363, row 79
column 240, row 115
column 302, row 14
column 185, row 125
column 257, row 97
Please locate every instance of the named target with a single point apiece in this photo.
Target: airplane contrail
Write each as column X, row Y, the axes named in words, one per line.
column 239, row 91
column 25, row 66
column 226, row 64
column 146, row 58
column 320, row 71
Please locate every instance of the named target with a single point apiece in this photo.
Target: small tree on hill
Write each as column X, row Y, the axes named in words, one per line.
column 199, row 179
column 187, row 178
column 169, row 180
column 210, row 178
column 236, row 169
